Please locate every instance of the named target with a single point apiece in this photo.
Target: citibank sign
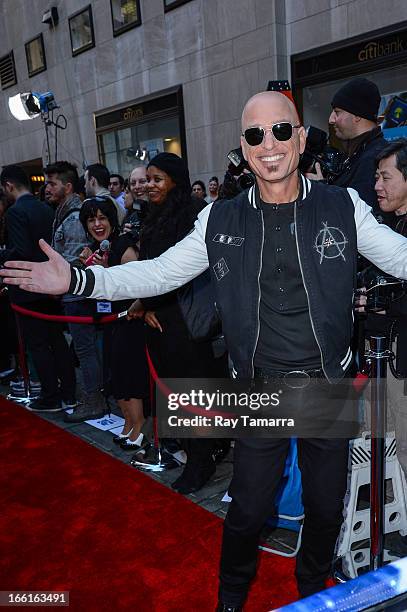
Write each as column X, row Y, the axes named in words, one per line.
column 131, row 113
column 374, row 50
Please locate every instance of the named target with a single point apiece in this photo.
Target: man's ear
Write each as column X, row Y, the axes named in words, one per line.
column 302, row 135
column 69, row 187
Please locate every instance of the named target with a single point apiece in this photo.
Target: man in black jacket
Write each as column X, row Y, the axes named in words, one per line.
column 282, row 258
column 354, row 120
column 28, row 220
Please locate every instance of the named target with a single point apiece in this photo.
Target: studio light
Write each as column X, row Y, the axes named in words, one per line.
column 30, row 105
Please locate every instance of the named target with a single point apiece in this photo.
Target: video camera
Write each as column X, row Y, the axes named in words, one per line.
column 239, row 169
column 317, row 150
column 381, row 289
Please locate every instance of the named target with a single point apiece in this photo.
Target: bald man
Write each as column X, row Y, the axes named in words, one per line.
column 282, row 258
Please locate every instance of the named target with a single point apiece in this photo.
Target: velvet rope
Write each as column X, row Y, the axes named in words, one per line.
column 68, row 319
column 165, row 390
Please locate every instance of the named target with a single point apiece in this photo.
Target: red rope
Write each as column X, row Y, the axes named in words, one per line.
column 67, row 319
column 165, row 390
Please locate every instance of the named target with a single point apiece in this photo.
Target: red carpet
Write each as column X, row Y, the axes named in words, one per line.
column 75, row 519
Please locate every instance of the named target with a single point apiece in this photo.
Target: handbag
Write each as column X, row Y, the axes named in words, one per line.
column 197, row 303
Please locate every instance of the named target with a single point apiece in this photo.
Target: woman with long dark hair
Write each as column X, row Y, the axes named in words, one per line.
column 171, row 216
column 125, row 366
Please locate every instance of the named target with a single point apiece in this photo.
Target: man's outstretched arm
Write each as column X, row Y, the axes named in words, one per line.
column 174, row 268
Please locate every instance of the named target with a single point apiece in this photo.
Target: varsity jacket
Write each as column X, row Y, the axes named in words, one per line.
column 331, row 225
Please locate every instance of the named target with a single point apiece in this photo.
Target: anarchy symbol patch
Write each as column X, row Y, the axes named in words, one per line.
column 330, row 243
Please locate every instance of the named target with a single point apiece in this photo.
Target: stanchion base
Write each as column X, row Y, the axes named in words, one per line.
column 346, row 568
column 154, row 460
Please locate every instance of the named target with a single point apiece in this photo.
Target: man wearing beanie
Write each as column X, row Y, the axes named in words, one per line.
column 354, row 119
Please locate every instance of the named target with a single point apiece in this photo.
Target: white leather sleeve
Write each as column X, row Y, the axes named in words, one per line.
column 174, row 268
column 378, row 243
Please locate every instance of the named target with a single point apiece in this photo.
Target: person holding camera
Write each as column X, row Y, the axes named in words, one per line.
column 135, row 201
column 355, row 107
column 283, row 279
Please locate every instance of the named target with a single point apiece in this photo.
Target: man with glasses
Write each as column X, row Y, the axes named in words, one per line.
column 282, row 258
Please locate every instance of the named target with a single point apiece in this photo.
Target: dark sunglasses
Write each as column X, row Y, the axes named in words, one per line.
column 281, row 131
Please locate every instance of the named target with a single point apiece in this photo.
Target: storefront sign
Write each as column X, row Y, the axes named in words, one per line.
column 370, row 54
column 374, row 50
column 132, row 113
column 136, row 112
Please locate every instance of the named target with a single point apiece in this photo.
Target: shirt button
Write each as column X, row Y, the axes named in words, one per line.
column 279, row 250
column 279, row 270
column 277, row 228
column 275, row 207
column 281, row 290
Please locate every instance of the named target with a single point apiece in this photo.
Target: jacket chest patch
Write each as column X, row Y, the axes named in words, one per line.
column 228, row 240
column 330, row 243
column 220, row 269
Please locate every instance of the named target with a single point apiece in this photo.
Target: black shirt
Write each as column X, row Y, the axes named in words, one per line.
column 286, row 340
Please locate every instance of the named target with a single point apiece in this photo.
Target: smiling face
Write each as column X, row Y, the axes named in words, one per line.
column 159, row 184
column 391, row 187
column 273, row 162
column 99, row 226
column 138, row 183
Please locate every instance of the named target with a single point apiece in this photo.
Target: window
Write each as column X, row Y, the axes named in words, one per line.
column 125, row 15
column 8, row 75
column 35, row 55
column 171, row 4
column 81, row 31
column 121, row 149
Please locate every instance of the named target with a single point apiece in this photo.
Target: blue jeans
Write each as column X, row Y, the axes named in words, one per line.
column 85, row 339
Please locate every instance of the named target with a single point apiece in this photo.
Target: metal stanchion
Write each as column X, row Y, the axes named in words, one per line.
column 26, row 397
column 378, row 356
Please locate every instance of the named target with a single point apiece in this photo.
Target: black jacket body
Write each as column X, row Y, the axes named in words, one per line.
column 234, row 240
column 360, row 169
column 27, row 221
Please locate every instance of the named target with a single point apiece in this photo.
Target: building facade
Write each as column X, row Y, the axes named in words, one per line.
column 134, row 77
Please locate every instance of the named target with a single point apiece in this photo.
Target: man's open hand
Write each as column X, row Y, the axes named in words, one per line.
column 52, row 276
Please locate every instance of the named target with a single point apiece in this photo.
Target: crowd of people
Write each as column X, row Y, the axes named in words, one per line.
column 283, row 287
column 137, row 218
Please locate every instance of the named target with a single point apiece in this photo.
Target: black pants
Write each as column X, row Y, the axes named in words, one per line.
column 258, row 467
column 50, row 353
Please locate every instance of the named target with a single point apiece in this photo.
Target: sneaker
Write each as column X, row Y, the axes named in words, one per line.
column 40, row 404
column 93, row 407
